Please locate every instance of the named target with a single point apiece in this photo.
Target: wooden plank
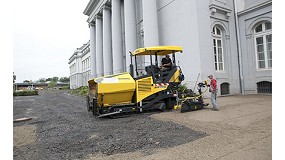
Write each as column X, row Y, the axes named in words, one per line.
column 21, row 119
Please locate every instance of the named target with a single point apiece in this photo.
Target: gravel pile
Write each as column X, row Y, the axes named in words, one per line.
column 65, row 130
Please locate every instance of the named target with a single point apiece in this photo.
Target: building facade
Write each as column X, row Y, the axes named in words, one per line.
column 230, row 39
column 255, row 29
column 80, row 66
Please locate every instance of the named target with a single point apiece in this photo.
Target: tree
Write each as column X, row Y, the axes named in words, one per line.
column 14, row 78
column 26, row 81
column 42, row 80
column 55, row 79
column 64, row 80
column 52, row 84
column 49, row 79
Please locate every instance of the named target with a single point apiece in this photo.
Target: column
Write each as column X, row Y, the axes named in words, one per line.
column 92, row 50
column 150, row 25
column 117, row 42
column 107, row 41
column 99, row 46
column 130, row 30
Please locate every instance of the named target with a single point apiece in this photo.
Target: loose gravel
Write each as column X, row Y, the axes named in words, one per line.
column 65, row 130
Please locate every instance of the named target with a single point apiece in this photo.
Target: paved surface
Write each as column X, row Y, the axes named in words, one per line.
column 63, row 129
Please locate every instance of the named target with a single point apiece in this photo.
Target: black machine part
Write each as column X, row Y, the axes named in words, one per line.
column 195, row 103
column 164, row 100
column 191, row 106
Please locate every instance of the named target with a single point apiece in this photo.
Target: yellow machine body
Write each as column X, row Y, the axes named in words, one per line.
column 175, row 77
column 113, row 89
column 120, row 89
column 145, row 87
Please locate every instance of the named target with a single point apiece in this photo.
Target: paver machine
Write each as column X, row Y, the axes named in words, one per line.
column 123, row 93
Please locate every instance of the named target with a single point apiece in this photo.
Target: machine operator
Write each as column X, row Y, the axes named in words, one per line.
column 166, row 63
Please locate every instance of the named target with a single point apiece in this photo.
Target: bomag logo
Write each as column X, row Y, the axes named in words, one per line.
column 124, row 78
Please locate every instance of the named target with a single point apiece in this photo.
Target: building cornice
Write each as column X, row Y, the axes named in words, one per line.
column 262, row 5
column 73, row 55
column 95, row 8
column 78, row 53
column 71, row 60
column 88, row 50
column 106, row 7
column 224, row 9
column 90, row 6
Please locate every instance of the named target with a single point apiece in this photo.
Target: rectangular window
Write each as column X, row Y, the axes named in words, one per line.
column 83, row 65
column 264, row 51
column 215, row 54
column 219, row 43
column 221, row 67
column 269, row 50
column 259, row 41
column 218, row 54
column 260, row 52
column 261, row 64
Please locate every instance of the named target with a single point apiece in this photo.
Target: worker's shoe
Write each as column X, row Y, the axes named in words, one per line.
column 215, row 109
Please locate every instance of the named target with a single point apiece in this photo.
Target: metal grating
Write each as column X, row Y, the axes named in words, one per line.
column 144, row 85
column 264, row 87
column 225, row 88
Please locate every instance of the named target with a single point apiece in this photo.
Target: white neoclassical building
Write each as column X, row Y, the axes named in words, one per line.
column 80, row 66
column 230, row 39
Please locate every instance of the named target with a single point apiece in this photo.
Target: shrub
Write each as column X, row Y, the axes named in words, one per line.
column 65, row 87
column 83, row 91
column 182, row 88
column 52, row 84
column 25, row 93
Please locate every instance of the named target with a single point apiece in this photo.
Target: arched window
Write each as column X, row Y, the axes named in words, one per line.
column 218, row 48
column 225, row 88
column 264, row 87
column 263, row 45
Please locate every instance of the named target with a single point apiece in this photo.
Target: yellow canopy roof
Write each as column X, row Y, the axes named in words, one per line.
column 159, row 50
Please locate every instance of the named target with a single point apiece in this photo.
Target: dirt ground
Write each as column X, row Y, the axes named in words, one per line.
column 61, row 128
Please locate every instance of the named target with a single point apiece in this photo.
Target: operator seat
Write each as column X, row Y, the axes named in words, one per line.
column 152, row 69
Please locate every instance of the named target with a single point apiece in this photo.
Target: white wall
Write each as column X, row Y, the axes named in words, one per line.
column 189, row 23
column 82, row 62
column 177, row 23
column 247, row 21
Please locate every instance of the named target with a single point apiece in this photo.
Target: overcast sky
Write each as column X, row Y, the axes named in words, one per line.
column 46, row 33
